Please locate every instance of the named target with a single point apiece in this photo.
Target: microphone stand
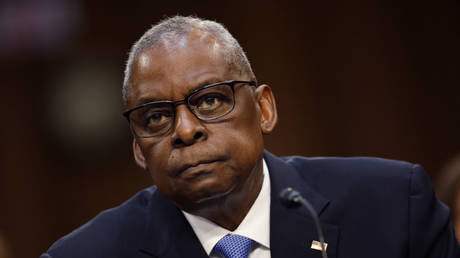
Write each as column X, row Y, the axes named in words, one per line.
column 290, row 197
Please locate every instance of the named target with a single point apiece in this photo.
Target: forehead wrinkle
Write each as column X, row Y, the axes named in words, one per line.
column 146, row 95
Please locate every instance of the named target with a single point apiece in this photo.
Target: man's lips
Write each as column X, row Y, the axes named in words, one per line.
column 195, row 167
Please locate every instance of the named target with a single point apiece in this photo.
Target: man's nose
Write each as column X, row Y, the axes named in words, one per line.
column 187, row 128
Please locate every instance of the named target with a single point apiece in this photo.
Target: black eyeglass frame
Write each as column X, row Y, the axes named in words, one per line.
column 186, row 101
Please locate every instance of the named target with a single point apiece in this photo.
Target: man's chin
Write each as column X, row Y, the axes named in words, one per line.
column 204, row 201
column 214, row 196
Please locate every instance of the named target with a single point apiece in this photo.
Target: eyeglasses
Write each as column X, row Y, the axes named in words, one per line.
column 207, row 103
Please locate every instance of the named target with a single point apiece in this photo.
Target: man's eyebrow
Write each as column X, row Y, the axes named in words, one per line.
column 146, row 100
column 203, row 84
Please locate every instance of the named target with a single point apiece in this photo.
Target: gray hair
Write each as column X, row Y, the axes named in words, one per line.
column 179, row 26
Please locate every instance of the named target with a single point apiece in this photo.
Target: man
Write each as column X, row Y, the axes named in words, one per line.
column 198, row 118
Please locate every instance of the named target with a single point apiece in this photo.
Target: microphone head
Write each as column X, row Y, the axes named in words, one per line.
column 289, row 197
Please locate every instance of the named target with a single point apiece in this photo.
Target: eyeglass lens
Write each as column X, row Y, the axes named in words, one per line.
column 207, row 104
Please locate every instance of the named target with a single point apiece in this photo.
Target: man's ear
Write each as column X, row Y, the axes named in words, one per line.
column 138, row 155
column 266, row 101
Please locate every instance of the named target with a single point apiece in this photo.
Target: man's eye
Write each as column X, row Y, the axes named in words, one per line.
column 157, row 118
column 210, row 101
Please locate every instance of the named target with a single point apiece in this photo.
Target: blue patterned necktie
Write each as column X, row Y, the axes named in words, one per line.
column 233, row 246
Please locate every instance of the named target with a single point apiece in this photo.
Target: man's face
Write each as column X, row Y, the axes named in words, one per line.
column 218, row 156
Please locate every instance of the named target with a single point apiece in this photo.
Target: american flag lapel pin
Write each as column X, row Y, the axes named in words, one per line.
column 316, row 245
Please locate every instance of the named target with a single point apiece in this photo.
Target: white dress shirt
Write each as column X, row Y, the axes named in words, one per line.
column 256, row 225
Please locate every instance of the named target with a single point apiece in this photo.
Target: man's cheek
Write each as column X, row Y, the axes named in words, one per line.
column 156, row 164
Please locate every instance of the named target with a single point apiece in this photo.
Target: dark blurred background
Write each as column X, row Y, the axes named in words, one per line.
column 352, row 78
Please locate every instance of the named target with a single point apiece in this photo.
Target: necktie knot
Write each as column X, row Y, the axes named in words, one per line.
column 234, row 246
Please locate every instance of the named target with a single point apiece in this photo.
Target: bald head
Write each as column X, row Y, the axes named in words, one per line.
column 174, row 33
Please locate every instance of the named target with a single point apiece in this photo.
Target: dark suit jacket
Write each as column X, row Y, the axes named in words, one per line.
column 369, row 207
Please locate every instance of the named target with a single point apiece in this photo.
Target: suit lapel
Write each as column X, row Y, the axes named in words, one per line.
column 291, row 229
column 168, row 234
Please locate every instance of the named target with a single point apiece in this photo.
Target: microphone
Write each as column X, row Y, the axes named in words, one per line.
column 291, row 198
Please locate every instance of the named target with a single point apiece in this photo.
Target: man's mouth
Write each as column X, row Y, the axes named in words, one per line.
column 197, row 168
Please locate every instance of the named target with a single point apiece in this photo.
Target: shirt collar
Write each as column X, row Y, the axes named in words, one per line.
column 256, row 224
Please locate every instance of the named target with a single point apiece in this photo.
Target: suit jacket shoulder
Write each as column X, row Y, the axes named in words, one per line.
column 147, row 225
column 334, row 177
column 381, row 207
column 109, row 233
